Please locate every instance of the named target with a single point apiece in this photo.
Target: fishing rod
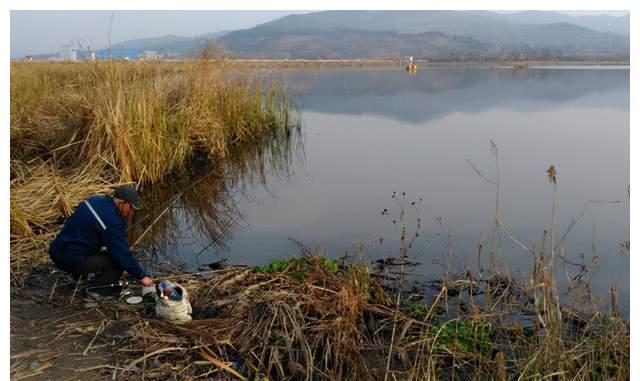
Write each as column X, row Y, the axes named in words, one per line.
column 215, row 240
column 122, row 283
column 173, row 199
column 194, row 274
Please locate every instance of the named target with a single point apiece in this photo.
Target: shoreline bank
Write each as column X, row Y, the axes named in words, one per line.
column 308, row 318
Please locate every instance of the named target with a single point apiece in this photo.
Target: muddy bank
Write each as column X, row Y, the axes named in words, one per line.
column 315, row 318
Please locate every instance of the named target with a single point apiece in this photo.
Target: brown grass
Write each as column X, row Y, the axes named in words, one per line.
column 334, row 326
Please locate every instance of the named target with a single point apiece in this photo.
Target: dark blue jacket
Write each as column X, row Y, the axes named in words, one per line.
column 83, row 235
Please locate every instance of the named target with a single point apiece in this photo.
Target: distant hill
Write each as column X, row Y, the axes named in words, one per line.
column 359, row 34
column 482, row 25
column 346, row 43
column 170, row 45
column 601, row 23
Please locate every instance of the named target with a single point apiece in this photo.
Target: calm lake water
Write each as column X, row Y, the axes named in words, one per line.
column 370, row 132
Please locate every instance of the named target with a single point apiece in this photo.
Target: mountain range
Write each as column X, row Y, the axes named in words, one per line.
column 434, row 35
column 480, row 24
column 170, row 45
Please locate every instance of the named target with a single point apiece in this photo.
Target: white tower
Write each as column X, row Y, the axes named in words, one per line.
column 69, row 53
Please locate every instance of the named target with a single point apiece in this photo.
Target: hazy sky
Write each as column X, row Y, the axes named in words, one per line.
column 36, row 32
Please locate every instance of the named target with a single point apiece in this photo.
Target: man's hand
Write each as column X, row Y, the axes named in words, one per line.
column 146, row 281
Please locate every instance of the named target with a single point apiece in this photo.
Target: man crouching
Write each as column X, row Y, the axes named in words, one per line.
column 98, row 223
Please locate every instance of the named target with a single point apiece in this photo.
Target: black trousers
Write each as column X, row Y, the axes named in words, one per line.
column 105, row 269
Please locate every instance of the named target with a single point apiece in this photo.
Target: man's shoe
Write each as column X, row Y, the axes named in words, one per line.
column 94, row 296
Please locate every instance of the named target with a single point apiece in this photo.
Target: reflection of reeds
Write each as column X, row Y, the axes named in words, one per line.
column 198, row 205
column 199, row 201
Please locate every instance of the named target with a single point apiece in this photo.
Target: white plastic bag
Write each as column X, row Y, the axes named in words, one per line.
column 178, row 311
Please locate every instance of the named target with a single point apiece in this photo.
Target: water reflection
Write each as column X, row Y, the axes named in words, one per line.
column 195, row 204
column 372, row 132
column 440, row 91
column 195, row 212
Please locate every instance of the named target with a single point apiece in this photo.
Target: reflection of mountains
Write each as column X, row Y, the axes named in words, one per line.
column 436, row 92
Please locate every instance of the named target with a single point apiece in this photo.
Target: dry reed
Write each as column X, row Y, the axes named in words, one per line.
column 79, row 129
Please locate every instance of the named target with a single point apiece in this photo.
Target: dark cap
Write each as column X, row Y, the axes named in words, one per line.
column 129, row 194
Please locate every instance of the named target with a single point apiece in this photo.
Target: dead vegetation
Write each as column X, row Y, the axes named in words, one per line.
column 309, row 321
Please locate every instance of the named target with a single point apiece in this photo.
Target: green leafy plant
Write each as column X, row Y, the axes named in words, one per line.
column 418, row 311
column 300, row 267
column 462, row 337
